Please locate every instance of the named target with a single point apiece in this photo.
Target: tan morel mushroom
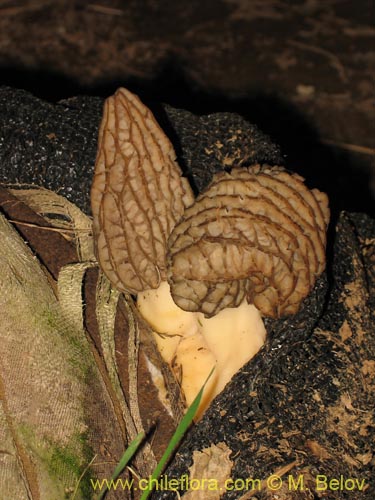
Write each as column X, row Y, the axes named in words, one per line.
column 137, row 195
column 204, row 271
column 256, row 232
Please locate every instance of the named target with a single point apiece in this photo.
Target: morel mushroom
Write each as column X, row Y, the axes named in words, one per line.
column 254, row 237
column 256, row 232
column 137, row 195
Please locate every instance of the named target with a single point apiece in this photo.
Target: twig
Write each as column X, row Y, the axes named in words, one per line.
column 279, row 473
column 350, row 147
column 335, row 61
column 103, row 9
column 81, row 476
column 48, row 228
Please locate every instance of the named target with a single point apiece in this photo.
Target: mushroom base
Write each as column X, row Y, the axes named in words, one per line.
column 192, row 344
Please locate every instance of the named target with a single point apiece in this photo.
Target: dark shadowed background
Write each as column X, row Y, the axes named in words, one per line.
column 301, row 70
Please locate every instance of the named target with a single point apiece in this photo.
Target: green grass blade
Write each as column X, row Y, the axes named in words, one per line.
column 125, row 459
column 176, row 438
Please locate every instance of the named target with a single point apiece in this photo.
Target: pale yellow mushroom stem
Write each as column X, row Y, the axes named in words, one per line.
column 192, row 344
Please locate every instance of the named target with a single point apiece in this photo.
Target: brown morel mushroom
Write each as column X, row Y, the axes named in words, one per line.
column 204, row 272
column 256, row 232
column 137, row 195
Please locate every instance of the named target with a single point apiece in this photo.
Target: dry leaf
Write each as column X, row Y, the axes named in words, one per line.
column 211, row 468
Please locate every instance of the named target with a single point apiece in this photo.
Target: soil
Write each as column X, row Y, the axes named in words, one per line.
column 301, row 70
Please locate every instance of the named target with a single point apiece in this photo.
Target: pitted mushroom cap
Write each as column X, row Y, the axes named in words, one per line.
column 257, row 232
column 137, row 194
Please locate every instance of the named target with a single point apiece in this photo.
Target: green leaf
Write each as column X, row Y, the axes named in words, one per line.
column 125, row 459
column 176, row 438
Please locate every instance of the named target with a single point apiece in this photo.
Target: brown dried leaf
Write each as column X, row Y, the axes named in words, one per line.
column 211, row 468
